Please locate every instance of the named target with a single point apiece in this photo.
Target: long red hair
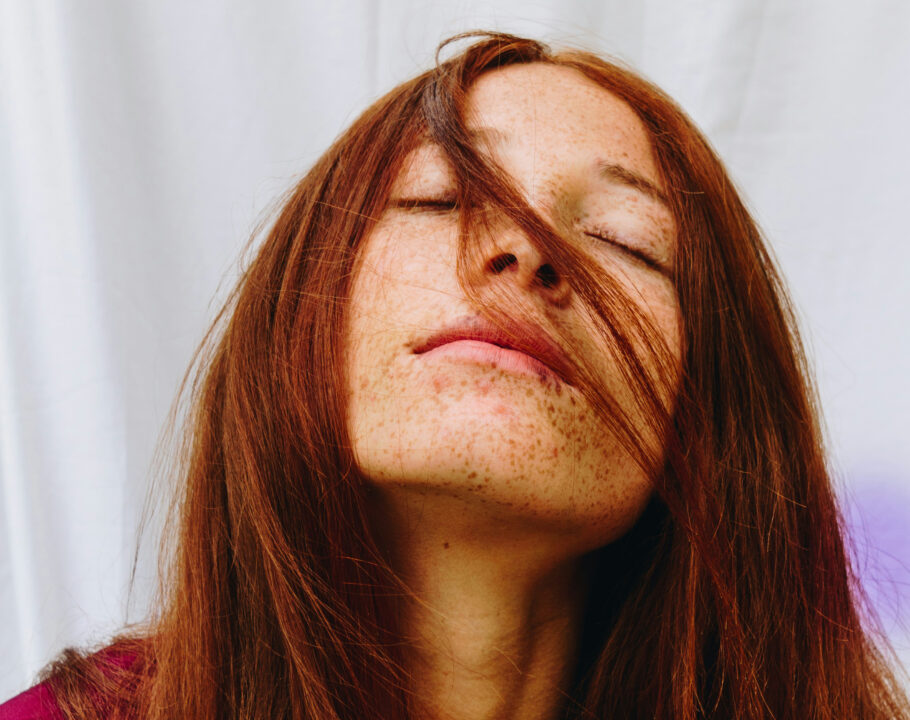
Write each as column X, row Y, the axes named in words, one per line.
column 731, row 597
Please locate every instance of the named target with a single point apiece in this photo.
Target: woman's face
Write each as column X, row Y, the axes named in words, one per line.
column 491, row 428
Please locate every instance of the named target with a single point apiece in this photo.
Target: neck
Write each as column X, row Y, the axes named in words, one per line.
column 495, row 615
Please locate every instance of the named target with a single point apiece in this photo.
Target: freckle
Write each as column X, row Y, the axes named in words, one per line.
column 555, row 452
column 445, row 545
column 472, row 476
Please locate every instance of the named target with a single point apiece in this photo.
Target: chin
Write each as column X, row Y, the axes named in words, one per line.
column 524, row 479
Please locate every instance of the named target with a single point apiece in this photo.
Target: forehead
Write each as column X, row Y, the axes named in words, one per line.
column 543, row 116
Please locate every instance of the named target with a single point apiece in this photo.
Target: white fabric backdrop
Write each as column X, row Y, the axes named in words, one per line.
column 140, row 143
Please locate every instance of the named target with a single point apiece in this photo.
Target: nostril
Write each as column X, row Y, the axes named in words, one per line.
column 501, row 262
column 547, row 275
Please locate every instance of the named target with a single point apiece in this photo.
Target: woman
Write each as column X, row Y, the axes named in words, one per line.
column 507, row 418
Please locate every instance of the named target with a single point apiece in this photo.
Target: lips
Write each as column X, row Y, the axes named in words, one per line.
column 522, row 337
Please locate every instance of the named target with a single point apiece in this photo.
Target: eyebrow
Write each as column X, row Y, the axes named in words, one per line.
column 620, row 175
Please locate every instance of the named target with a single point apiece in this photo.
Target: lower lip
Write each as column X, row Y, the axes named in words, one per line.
column 484, row 353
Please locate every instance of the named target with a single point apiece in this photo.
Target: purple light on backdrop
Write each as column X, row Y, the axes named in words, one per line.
column 877, row 515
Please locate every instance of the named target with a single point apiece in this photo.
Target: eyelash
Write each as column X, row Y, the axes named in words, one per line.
column 608, row 237
column 429, row 204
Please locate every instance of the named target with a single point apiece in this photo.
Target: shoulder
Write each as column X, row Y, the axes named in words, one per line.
column 36, row 703
column 106, row 679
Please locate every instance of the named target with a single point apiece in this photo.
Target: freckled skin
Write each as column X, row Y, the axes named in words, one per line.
column 509, row 450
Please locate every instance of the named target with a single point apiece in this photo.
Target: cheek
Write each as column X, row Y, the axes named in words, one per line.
column 668, row 319
column 642, row 413
column 398, row 275
column 661, row 349
column 657, row 337
column 383, row 285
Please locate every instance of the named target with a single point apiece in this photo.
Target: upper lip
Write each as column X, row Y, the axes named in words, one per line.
column 521, row 336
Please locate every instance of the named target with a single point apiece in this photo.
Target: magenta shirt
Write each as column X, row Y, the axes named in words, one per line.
column 36, row 703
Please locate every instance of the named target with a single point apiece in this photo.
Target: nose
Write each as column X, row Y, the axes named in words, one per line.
column 515, row 259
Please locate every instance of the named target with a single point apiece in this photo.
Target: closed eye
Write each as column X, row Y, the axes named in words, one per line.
column 442, row 204
column 639, row 255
